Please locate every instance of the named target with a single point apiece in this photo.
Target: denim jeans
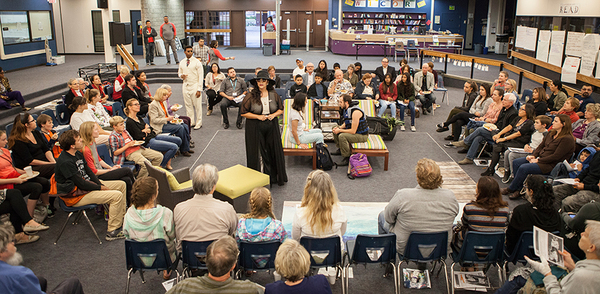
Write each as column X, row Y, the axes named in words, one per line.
column 383, row 226
column 310, row 136
column 383, row 105
column 411, row 106
column 165, row 143
column 474, row 124
column 474, row 139
column 181, row 132
column 150, row 52
column 426, row 100
column 522, row 168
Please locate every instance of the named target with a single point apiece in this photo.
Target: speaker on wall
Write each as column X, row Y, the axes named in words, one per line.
column 102, row 3
column 120, row 33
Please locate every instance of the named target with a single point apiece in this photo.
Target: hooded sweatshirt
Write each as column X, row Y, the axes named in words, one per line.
column 151, row 224
column 586, row 163
column 591, row 175
column 582, row 280
column 524, row 217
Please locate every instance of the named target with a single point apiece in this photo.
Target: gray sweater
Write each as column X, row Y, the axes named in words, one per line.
column 582, row 280
column 420, row 210
column 480, row 106
column 590, row 136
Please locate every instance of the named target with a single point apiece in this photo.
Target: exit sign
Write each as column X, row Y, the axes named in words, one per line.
column 451, row 7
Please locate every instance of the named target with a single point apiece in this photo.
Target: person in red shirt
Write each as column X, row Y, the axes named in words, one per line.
column 149, row 34
column 120, row 83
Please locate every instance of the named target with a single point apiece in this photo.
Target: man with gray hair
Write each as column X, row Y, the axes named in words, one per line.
column 19, row 279
column 339, row 86
column 204, row 218
column 221, row 259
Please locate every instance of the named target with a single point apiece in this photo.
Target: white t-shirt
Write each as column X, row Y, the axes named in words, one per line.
column 296, row 115
column 78, row 118
column 297, row 71
column 100, row 114
column 302, row 228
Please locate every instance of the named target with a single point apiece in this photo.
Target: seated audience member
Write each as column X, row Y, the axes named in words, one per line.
column 81, row 114
column 120, row 84
column 146, row 220
column 204, row 218
column 570, row 198
column 354, row 129
column 212, row 82
column 20, row 218
column 301, row 135
column 424, row 85
column 478, row 109
column 435, row 74
column 172, row 109
column 322, row 69
column 557, row 146
column 274, row 77
column 383, row 70
column 124, row 146
column 318, row 90
column 231, row 88
column 470, row 96
column 339, row 87
column 358, row 69
column 73, row 175
column 140, row 83
column 12, row 177
column 538, row 100
column 298, row 87
column 7, row 94
column 299, row 70
column 500, row 82
column 557, row 97
column 260, row 224
column 28, row 146
column 15, row 279
column 404, row 69
column 570, row 108
column 161, row 121
column 221, row 260
column 406, row 98
column 540, row 125
column 576, row 226
column 581, row 162
column 132, row 92
column 96, row 84
column 491, row 116
column 388, row 97
column 428, row 203
column 487, row 213
column 89, row 132
column 100, row 114
column 367, row 88
column 350, row 76
column 292, row 262
column 44, row 122
column 511, row 87
column 586, row 129
column 517, row 134
column 336, row 66
column 320, row 213
column 585, row 98
column 583, row 275
column 309, row 75
column 71, row 94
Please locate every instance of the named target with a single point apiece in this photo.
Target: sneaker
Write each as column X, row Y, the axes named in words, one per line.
column 449, row 145
column 31, row 229
column 413, row 129
column 507, row 177
column 465, row 161
column 226, row 126
column 152, row 63
column 449, row 138
column 169, row 62
column 115, row 235
column 186, row 154
column 440, row 125
column 460, row 144
column 402, row 128
column 442, row 129
column 209, row 112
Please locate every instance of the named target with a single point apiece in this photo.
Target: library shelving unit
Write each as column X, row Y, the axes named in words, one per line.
column 382, row 21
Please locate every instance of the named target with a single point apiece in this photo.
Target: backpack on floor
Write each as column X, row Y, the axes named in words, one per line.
column 324, row 160
column 359, row 165
column 378, row 125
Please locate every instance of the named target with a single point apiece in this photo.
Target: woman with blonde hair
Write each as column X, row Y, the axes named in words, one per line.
column 292, row 262
column 320, row 214
column 162, row 122
column 89, row 132
column 260, row 224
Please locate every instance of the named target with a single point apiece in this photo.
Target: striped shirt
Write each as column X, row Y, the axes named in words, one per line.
column 478, row 219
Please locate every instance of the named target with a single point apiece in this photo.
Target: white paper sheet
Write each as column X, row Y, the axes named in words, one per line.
column 543, row 46
column 569, row 70
column 547, row 245
column 598, row 65
column 591, row 43
column 557, row 43
column 574, row 44
column 526, row 38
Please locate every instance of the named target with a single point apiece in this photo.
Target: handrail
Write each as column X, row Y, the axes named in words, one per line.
column 208, row 30
column 133, row 65
column 133, row 61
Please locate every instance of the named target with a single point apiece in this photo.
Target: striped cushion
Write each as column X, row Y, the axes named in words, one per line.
column 367, row 106
column 309, row 113
column 286, row 135
column 374, row 142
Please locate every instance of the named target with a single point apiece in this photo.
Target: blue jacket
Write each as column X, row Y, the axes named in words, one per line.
column 17, row 280
column 360, row 87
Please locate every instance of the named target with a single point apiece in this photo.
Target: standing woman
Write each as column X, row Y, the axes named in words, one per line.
column 263, row 140
column 28, row 147
column 213, row 82
column 538, row 100
column 270, row 26
column 388, row 97
column 214, row 54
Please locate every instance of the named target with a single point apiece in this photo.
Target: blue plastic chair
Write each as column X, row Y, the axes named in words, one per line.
column 527, row 95
column 411, row 45
column 288, row 86
column 325, row 252
column 480, row 248
column 193, row 256
column 118, row 110
column 61, row 114
column 257, row 256
column 441, row 88
column 281, row 93
column 108, row 90
column 523, row 247
column 426, row 247
column 151, row 255
column 105, row 155
column 80, row 211
column 9, row 128
column 372, row 249
column 248, row 77
column 50, row 113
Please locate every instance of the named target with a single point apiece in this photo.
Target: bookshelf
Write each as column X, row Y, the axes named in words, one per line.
column 382, row 21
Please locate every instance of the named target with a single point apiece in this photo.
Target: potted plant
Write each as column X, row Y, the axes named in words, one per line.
column 393, row 124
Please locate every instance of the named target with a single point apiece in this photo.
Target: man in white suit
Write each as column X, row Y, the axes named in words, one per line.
column 191, row 72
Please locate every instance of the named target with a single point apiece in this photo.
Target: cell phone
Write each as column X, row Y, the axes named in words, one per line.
column 571, row 215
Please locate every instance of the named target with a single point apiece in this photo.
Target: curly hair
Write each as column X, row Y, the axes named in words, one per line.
column 260, row 204
column 429, row 175
column 489, row 196
column 541, row 195
column 594, row 108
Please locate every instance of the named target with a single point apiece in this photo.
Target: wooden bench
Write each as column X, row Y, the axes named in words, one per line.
column 373, row 147
column 289, row 148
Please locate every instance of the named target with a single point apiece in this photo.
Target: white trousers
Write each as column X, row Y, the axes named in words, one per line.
column 193, row 104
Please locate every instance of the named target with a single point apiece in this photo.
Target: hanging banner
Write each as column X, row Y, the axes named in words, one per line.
column 398, row 3
column 360, row 3
column 591, row 43
column 385, row 3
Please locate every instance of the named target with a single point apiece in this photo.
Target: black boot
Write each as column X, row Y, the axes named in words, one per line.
column 344, row 162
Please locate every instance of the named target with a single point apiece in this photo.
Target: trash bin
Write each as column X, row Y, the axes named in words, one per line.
column 485, row 50
column 478, row 48
column 267, row 49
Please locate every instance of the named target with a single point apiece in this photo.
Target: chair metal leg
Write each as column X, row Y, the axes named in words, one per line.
column 346, row 278
column 395, row 278
column 342, row 279
column 501, row 280
column 482, row 149
column 452, row 277
column 128, row 280
column 77, row 217
column 142, row 275
column 63, row 227
column 443, row 263
column 91, row 226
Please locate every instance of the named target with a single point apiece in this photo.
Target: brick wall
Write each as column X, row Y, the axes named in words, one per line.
column 155, row 10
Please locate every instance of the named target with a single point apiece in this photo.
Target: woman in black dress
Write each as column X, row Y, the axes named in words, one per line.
column 261, row 108
column 29, row 148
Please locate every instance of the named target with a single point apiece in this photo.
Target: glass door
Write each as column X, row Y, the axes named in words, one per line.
column 253, row 25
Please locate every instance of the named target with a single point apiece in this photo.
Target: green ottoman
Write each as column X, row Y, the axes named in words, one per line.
column 236, row 183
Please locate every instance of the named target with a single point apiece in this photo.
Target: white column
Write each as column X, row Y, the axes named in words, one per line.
column 495, row 22
column 277, row 34
column 307, row 34
column 326, row 35
column 432, row 14
column 287, row 33
column 340, row 22
column 109, row 51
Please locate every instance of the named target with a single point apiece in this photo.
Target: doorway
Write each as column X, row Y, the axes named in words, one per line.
column 253, row 24
column 136, row 26
column 293, row 17
column 97, row 31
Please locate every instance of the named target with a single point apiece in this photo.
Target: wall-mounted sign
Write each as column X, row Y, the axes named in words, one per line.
column 349, row 2
column 568, row 9
column 398, row 3
column 452, row 7
column 385, row 3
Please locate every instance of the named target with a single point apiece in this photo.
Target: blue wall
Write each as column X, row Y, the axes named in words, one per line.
column 481, row 11
column 21, row 62
column 459, row 15
column 334, row 5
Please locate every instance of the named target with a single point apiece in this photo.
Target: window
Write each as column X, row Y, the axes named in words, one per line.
column 97, row 31
column 25, row 26
column 219, row 20
column 116, row 15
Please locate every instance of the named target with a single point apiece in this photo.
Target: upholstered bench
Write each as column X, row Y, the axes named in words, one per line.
column 373, row 147
column 236, row 183
column 292, row 149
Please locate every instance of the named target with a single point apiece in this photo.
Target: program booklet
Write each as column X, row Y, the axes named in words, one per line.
column 416, row 279
column 548, row 245
column 472, row 281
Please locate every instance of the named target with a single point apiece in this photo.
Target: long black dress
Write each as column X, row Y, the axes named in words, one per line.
column 263, row 139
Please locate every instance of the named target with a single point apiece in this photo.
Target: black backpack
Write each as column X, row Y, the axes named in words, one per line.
column 324, row 161
column 378, row 125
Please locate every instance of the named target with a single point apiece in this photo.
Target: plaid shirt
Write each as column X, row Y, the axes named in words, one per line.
column 201, row 53
column 117, row 141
